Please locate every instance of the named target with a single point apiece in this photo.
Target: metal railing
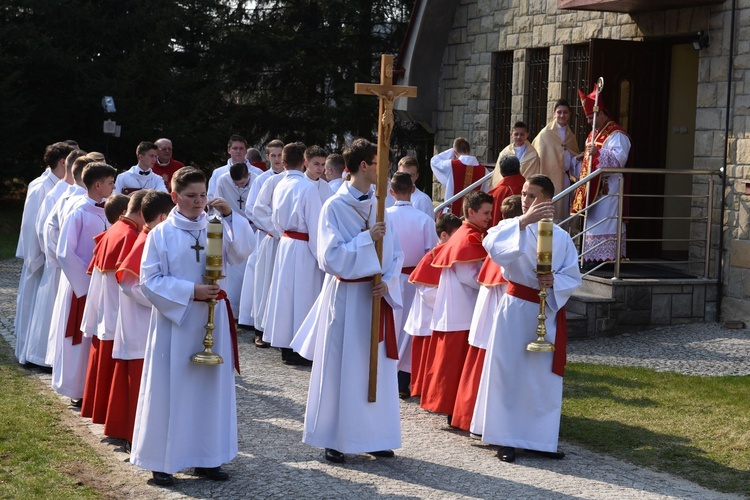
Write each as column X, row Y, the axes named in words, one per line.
column 606, row 172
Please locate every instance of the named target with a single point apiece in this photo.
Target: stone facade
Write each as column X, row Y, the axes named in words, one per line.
column 481, row 27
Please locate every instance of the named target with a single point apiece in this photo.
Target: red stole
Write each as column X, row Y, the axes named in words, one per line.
column 464, row 246
column 561, row 338
column 114, row 245
column 424, row 273
column 591, row 165
column 463, row 177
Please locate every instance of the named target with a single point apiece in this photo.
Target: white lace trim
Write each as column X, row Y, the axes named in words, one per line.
column 607, row 251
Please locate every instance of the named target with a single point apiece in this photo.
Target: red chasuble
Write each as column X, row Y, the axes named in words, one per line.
column 167, row 171
column 579, row 198
column 508, row 186
column 463, row 177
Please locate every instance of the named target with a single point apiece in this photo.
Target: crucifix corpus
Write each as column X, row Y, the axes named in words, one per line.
column 387, row 94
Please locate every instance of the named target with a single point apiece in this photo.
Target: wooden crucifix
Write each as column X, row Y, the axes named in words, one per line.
column 387, row 93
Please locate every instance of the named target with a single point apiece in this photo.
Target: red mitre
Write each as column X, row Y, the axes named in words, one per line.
column 465, row 245
column 587, row 101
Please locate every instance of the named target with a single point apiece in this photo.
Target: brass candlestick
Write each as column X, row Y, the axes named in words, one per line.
column 543, row 266
column 214, row 255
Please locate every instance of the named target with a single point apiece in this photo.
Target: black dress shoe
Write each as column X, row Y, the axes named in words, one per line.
column 76, row 403
column 294, row 359
column 163, row 479
column 507, row 454
column 259, row 341
column 557, row 455
column 212, row 473
column 450, row 419
column 334, row 456
column 382, row 453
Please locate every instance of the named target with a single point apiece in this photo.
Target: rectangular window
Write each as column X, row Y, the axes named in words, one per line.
column 538, row 81
column 577, row 71
column 500, row 103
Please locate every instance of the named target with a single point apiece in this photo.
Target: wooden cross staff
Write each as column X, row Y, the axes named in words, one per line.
column 387, row 93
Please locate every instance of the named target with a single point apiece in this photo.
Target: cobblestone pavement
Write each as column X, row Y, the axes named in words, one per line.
column 434, row 461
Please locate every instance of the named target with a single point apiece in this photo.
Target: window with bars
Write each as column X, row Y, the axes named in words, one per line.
column 576, row 71
column 538, row 83
column 500, row 103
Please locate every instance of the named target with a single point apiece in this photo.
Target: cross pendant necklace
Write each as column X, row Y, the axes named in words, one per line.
column 197, row 247
column 239, row 196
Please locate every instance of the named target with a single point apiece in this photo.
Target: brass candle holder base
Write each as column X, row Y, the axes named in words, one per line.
column 207, row 356
column 541, row 344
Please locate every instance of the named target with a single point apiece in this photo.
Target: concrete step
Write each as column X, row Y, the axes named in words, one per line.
column 577, row 325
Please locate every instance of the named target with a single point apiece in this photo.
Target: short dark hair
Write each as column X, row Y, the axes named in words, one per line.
column 510, row 165
column 408, row 161
column 72, row 157
column 401, row 183
column 511, row 207
column 276, row 143
column 448, row 223
column 55, row 152
column 136, row 200
column 186, row 176
column 462, row 146
column 79, row 165
column 358, row 151
column 293, row 155
column 95, row 172
column 115, row 206
column 544, row 182
column 315, row 152
column 144, row 147
column 238, row 171
column 474, row 200
column 521, row 125
column 236, row 138
column 154, row 204
column 337, row 162
column 561, row 102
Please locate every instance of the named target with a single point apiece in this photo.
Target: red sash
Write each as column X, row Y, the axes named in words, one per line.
column 297, row 236
column 75, row 318
column 463, row 177
column 387, row 326
column 561, row 338
column 408, row 270
column 232, row 327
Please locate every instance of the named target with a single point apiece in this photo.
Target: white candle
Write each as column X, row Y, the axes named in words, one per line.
column 544, row 246
column 214, row 239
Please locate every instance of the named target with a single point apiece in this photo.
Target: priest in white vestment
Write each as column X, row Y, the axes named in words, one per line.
column 520, row 392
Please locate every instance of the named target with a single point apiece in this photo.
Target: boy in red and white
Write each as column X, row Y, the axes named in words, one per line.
column 460, row 260
column 131, row 330
column 141, row 176
column 416, row 236
column 103, row 303
column 315, row 164
column 520, row 391
column 425, row 279
column 297, row 279
column 75, row 250
column 492, row 287
column 457, row 169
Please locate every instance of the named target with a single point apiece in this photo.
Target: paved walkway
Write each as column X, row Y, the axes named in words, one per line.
column 435, row 462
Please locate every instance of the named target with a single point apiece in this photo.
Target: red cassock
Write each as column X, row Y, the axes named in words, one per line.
column 126, row 380
column 490, row 275
column 167, row 171
column 424, row 274
column 447, row 350
column 463, row 177
column 508, row 186
column 111, row 249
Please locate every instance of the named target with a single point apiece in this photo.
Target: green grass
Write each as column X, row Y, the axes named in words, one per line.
column 39, row 456
column 694, row 427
